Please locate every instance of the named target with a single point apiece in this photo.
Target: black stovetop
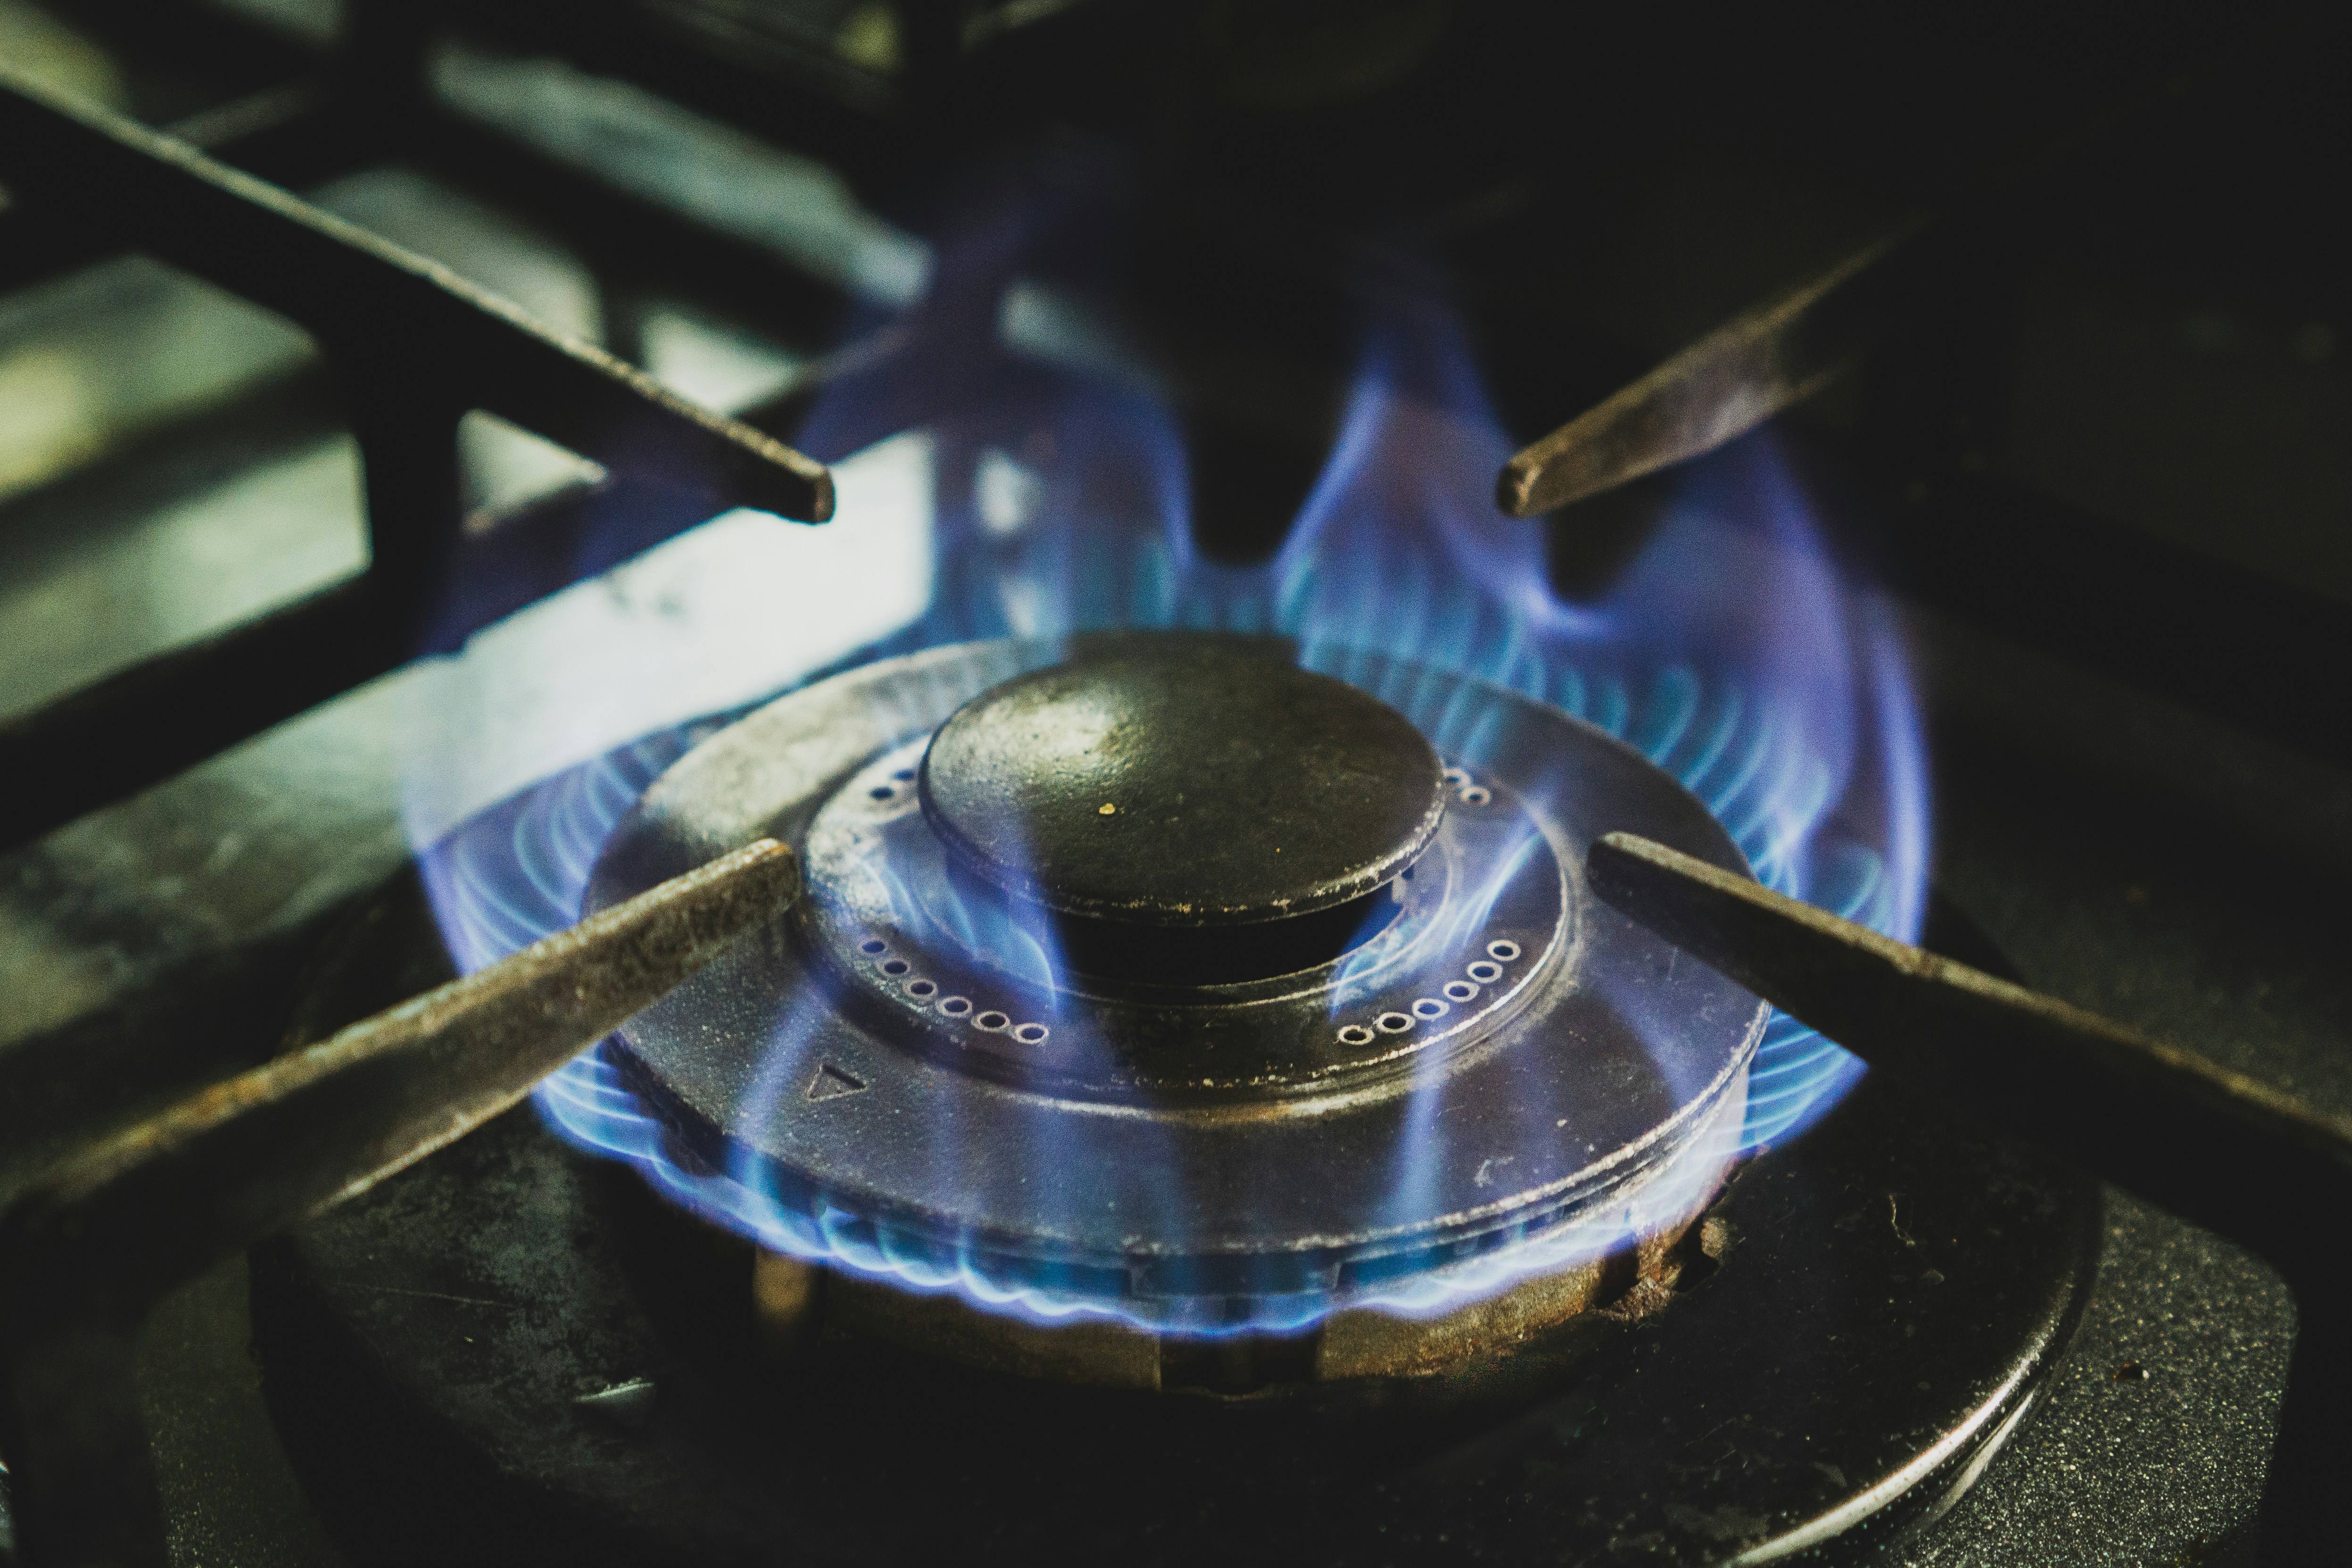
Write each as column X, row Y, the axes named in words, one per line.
column 2098, row 484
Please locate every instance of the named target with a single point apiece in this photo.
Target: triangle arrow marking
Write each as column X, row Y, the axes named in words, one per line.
column 831, row 1083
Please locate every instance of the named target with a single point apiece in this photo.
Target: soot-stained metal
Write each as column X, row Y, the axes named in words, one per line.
column 1193, row 782
column 2246, row 1159
column 1840, row 1374
column 920, row 1059
column 95, row 1242
column 417, row 347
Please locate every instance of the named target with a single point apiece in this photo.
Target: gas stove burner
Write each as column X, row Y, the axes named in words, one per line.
column 1158, row 977
column 576, row 1368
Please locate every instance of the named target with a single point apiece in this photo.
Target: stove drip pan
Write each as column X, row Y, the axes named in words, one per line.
column 515, row 1350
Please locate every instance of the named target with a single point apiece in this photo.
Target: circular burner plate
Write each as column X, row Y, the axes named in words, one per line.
column 1613, row 1056
column 1895, row 1288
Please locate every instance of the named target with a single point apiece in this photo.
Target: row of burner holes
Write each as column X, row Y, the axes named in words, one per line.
column 1391, row 1023
column 1486, row 972
column 1458, row 780
column 1465, row 790
column 1470, row 792
column 923, row 990
column 958, row 1007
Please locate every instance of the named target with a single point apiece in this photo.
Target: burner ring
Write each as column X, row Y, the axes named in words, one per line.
column 883, row 901
column 1559, row 1113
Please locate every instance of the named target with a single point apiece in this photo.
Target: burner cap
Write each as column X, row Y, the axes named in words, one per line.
column 1190, row 781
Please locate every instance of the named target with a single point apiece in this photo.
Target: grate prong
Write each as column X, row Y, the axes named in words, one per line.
column 2241, row 1157
column 89, row 1248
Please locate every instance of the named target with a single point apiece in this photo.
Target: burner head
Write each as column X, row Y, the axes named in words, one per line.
column 1184, row 782
column 949, row 1059
column 1190, row 810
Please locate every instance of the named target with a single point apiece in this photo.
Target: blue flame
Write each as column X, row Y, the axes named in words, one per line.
column 1731, row 654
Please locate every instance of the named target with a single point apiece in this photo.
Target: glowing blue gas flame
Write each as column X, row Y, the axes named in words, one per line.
column 1731, row 654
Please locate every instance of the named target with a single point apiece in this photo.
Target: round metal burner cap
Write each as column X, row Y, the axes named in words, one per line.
column 1193, row 782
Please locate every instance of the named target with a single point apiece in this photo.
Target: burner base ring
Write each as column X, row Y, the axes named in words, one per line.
column 1294, row 1156
column 1890, row 1292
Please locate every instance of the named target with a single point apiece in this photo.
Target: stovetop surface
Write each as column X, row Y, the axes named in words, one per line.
column 2174, row 371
